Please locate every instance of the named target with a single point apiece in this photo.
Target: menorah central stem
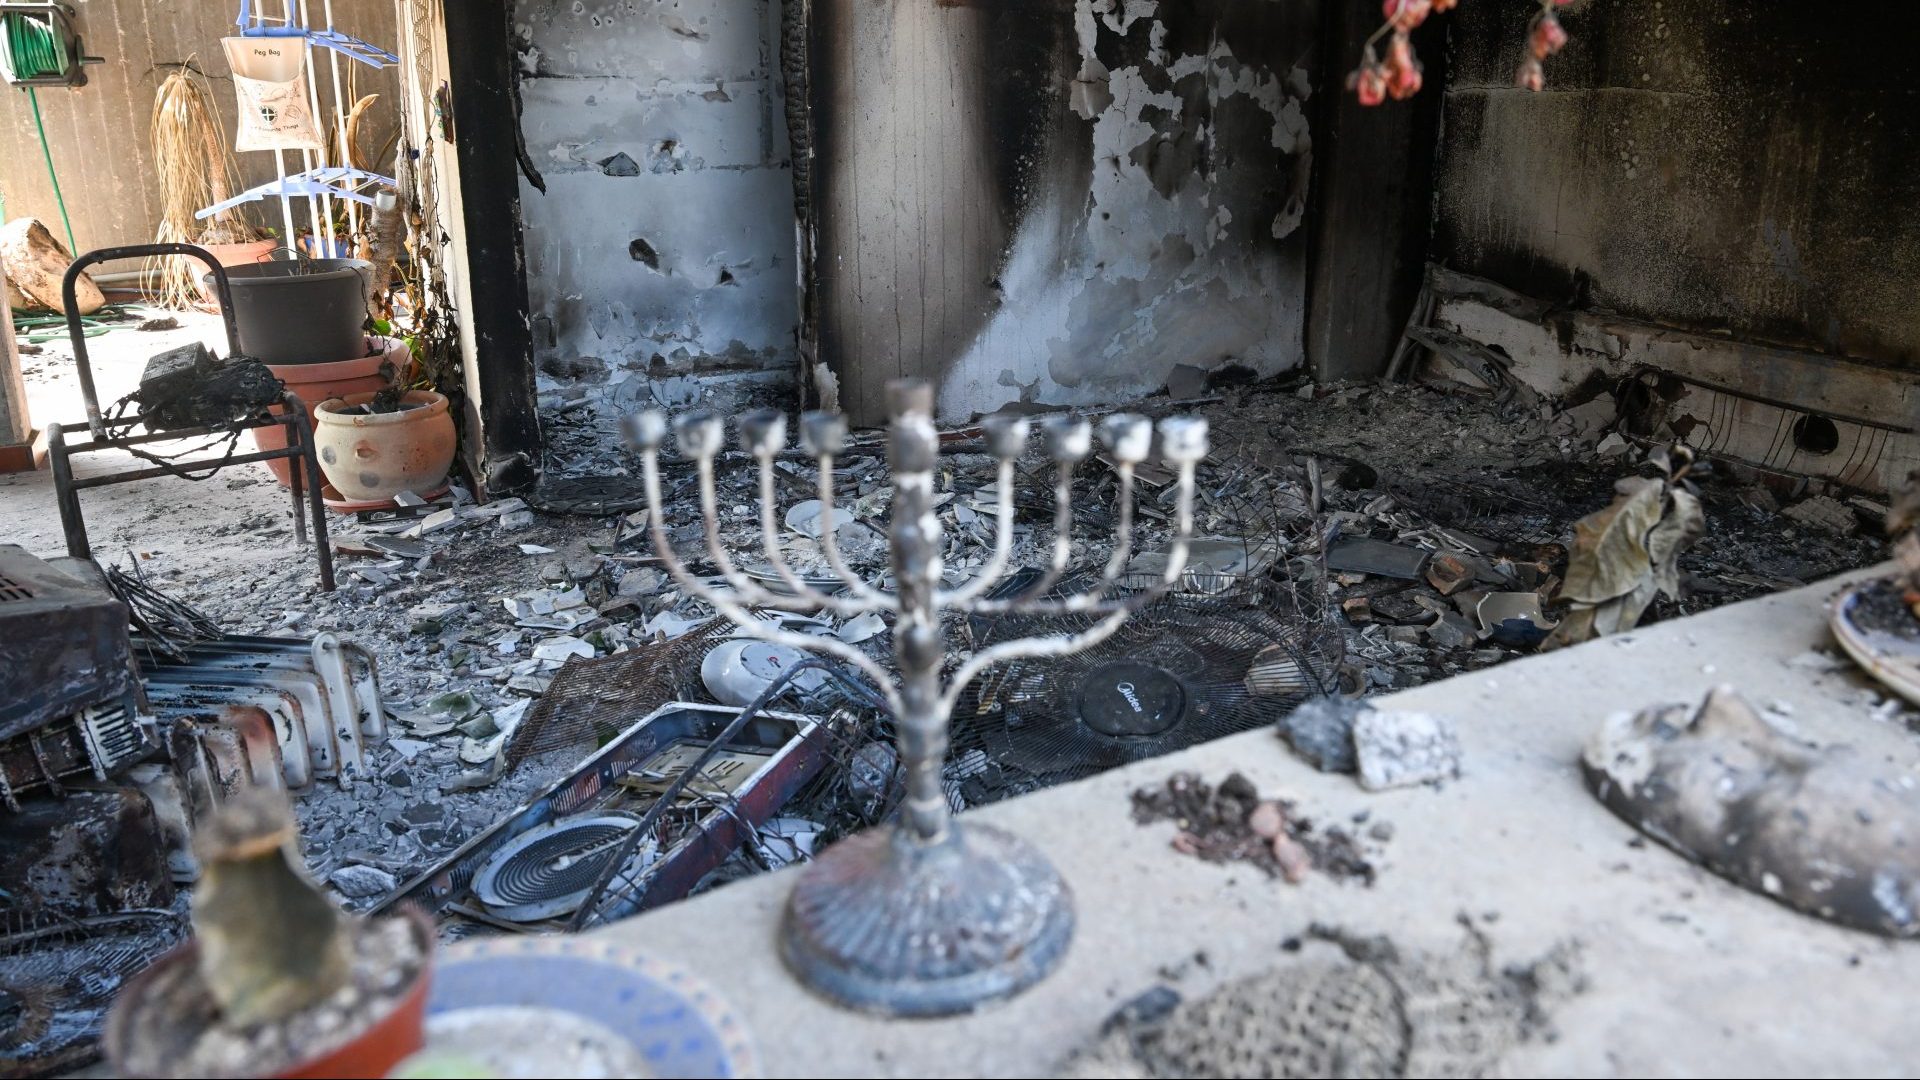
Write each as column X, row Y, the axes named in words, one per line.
column 918, row 542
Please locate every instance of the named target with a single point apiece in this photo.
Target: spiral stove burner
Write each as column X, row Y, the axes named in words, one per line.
column 548, row 871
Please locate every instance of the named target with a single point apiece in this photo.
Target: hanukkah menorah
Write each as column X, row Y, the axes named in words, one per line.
column 932, row 916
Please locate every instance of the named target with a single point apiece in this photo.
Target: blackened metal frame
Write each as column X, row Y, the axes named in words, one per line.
column 117, row 433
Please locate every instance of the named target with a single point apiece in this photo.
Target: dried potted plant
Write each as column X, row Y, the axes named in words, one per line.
column 194, row 169
column 277, row 981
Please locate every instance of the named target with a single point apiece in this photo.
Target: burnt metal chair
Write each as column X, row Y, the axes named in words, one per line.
column 117, row 433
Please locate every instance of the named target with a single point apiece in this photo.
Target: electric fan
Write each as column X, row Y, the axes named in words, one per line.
column 1186, row 669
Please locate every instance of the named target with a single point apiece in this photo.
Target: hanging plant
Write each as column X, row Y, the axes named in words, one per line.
column 193, row 168
column 1398, row 74
column 1545, row 36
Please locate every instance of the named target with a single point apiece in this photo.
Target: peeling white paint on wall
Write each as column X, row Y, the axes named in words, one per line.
column 1100, row 305
column 664, row 244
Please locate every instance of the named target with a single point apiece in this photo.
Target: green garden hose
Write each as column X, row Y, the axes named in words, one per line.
column 35, row 49
column 38, row 329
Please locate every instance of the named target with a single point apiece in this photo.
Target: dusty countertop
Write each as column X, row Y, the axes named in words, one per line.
column 1688, row 974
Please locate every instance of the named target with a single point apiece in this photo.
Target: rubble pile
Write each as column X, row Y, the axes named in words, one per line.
column 1232, row 823
column 1428, row 524
column 1447, row 517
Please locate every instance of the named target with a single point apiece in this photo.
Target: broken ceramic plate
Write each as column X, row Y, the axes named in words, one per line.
column 986, row 500
column 737, row 670
column 1873, row 625
column 1513, row 618
column 562, row 648
column 805, row 518
column 564, row 619
column 667, row 625
column 456, row 706
column 788, row 839
column 861, row 627
column 773, row 582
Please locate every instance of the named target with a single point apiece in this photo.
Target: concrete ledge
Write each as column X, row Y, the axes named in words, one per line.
column 1689, row 975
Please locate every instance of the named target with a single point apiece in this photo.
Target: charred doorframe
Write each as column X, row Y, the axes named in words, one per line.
column 481, row 68
column 1373, row 198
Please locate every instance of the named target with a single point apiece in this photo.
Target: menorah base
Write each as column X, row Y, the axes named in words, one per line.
column 887, row 924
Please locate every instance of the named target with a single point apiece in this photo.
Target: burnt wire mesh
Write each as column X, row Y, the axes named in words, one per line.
column 57, row 978
column 591, row 701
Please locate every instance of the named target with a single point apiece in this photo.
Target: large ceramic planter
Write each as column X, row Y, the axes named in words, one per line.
column 299, row 311
column 370, row 1054
column 315, row 383
column 375, row 456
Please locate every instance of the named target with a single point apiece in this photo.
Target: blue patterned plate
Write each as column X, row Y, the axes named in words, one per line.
column 676, row 1021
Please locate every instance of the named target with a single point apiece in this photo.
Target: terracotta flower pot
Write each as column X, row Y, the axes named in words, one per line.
column 371, row 1054
column 231, row 255
column 315, row 383
column 379, row 455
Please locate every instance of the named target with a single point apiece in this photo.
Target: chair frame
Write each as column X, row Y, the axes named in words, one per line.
column 117, row 434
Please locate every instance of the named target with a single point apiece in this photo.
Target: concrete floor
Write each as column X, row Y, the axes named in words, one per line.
column 1690, row 975
column 237, row 520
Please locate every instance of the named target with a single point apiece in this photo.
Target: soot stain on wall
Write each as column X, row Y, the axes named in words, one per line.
column 1713, row 165
column 663, row 250
column 1147, row 165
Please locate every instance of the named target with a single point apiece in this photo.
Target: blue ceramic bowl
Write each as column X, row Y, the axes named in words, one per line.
column 676, row 1021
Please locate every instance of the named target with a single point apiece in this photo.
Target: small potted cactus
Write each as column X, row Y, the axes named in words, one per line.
column 276, row 981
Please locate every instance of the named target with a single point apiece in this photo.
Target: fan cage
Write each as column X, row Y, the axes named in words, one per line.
column 1190, row 667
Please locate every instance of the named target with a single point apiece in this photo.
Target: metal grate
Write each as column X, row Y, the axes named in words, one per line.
column 1187, row 668
column 591, row 701
column 57, row 979
column 114, row 735
column 13, row 590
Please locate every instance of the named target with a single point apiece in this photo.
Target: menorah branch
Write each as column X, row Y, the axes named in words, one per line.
column 770, row 544
column 830, row 544
column 1056, row 562
column 752, row 625
column 749, row 590
column 996, row 566
column 1115, row 613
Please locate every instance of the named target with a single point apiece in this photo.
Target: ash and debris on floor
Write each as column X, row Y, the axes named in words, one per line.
column 1345, row 1005
column 1425, row 525
column 1487, row 495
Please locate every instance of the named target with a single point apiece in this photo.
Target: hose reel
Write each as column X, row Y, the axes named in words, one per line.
column 39, row 45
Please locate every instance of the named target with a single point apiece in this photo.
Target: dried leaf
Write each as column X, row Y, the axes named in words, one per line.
column 1685, row 523
column 1575, row 627
column 1609, row 556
